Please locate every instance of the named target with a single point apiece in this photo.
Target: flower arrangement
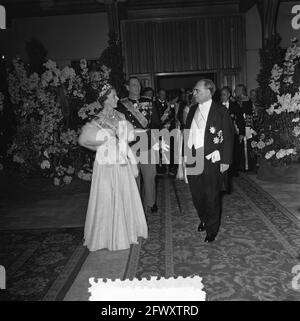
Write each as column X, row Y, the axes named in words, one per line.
column 49, row 110
column 279, row 139
column 273, row 152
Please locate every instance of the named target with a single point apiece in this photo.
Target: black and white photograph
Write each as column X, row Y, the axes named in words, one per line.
column 150, row 150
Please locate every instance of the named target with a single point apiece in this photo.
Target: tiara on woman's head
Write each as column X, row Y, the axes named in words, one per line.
column 105, row 88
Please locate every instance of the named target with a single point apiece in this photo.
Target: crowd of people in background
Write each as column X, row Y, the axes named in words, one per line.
column 173, row 106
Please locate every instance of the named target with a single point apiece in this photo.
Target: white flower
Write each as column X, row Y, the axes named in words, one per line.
column 280, row 154
column 289, row 151
column 67, row 73
column 83, row 63
column 270, row 154
column 70, row 170
column 47, row 76
column 105, row 71
column 33, row 81
column 270, row 141
column 45, row 164
column 67, row 179
column 18, row 159
column 212, row 130
column 56, row 181
column 296, row 131
column 84, row 176
column 295, row 120
column 50, row 64
column 95, row 76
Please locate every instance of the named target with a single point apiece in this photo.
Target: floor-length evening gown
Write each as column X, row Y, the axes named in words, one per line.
column 115, row 216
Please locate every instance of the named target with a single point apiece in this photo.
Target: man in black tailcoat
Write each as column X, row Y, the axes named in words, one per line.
column 208, row 155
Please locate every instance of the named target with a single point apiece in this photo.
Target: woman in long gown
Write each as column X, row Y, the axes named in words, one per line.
column 115, row 215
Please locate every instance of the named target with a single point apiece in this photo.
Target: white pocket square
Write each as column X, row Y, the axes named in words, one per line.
column 214, row 156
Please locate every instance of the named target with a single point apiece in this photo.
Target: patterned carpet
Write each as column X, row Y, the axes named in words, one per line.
column 41, row 264
column 251, row 259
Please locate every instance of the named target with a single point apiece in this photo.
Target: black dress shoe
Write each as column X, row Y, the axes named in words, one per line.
column 201, row 227
column 210, row 238
column 154, row 208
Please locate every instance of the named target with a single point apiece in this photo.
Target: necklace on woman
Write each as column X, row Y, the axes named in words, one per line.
column 110, row 114
column 109, row 119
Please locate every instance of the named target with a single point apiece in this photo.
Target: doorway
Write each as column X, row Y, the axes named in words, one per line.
column 171, row 81
column 182, row 80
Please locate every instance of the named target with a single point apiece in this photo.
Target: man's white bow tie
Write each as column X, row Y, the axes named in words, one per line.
column 226, row 104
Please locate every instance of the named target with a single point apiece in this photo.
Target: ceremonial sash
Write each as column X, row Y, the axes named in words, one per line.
column 135, row 112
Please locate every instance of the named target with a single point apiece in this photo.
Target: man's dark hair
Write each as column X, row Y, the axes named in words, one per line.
column 244, row 88
column 228, row 89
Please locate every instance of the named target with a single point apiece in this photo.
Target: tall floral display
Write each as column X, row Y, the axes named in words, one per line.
column 279, row 140
column 50, row 109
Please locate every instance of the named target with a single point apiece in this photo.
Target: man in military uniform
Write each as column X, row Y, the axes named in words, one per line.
column 141, row 113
